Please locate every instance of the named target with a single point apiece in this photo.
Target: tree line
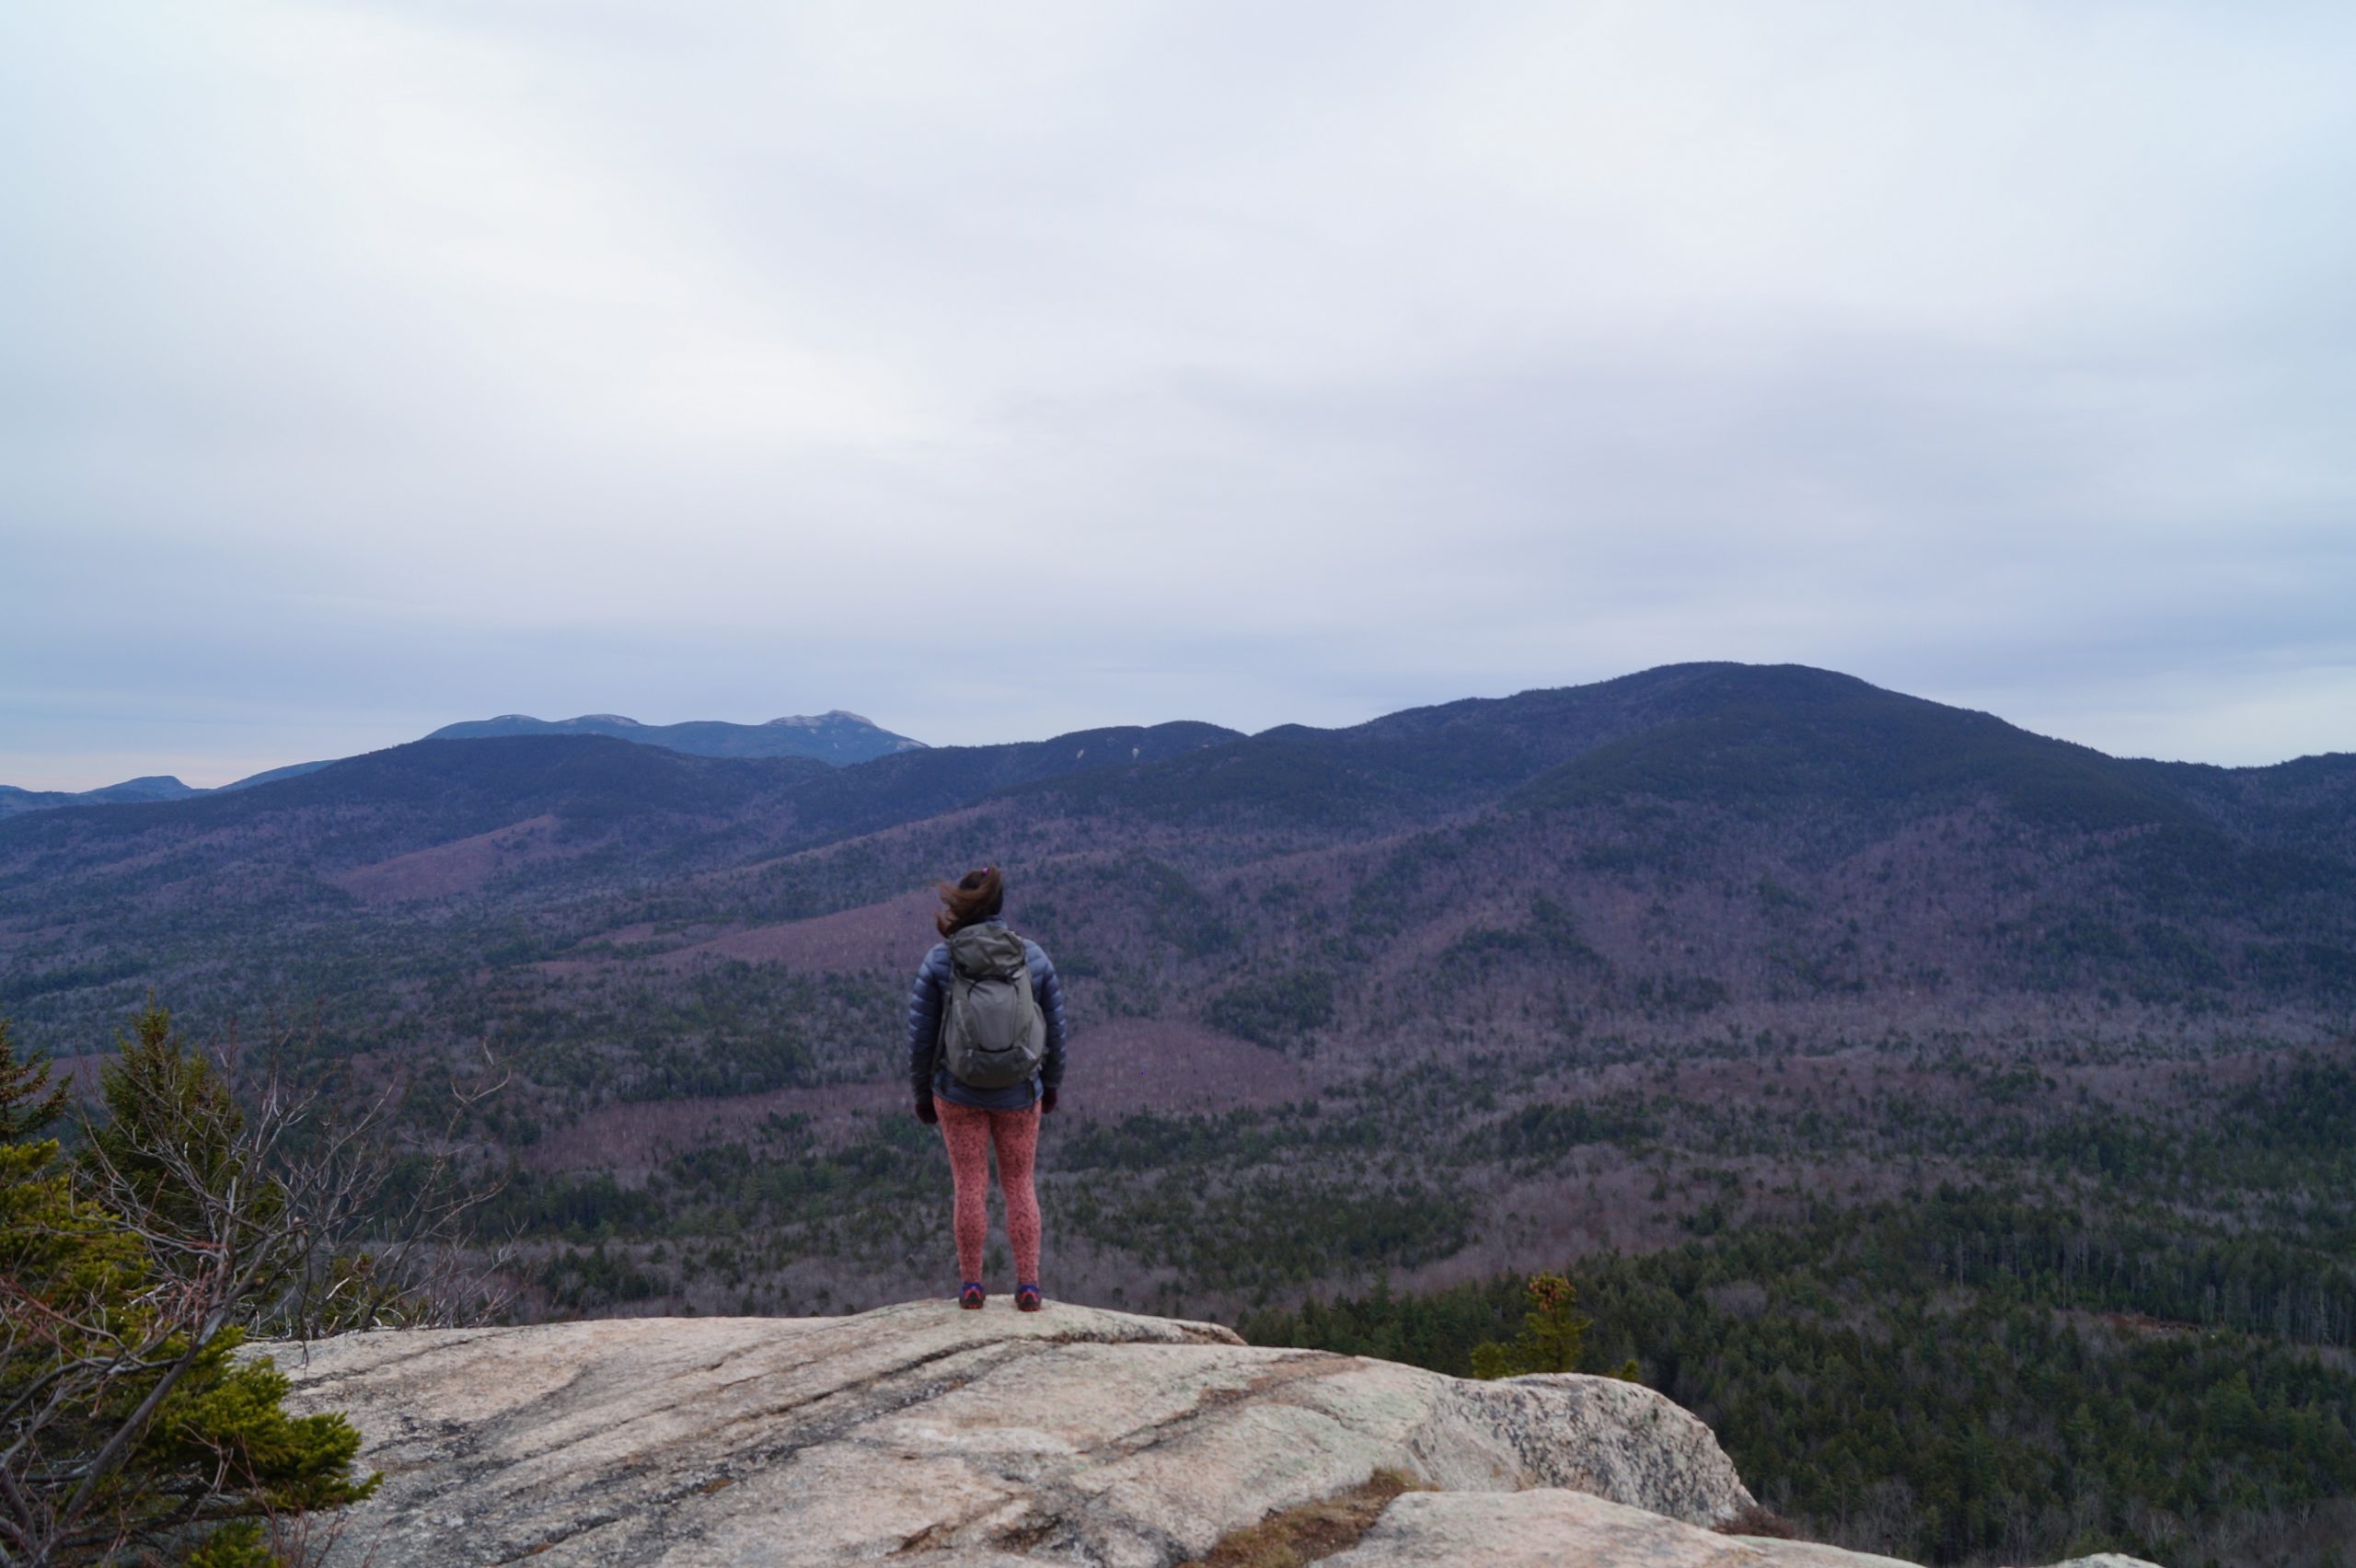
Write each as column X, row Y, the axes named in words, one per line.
column 207, row 1202
column 2007, row 1408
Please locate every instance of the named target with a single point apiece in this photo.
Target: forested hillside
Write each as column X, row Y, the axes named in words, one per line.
column 1920, row 1064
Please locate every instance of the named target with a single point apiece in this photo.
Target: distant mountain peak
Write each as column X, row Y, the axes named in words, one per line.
column 163, row 785
column 835, row 736
column 130, row 791
column 812, row 722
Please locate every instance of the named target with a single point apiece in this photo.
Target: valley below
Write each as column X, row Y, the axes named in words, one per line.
column 1962, row 1122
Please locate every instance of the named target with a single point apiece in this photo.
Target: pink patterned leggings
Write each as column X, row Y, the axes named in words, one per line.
column 969, row 1135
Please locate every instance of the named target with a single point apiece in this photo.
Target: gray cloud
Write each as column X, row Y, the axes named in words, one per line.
column 371, row 365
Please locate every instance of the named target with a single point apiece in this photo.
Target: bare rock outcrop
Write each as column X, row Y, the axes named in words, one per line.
column 1550, row 1528
column 990, row 1439
column 1068, row 1436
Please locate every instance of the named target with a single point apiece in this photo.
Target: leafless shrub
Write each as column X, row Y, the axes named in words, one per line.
column 306, row 1214
column 218, row 1201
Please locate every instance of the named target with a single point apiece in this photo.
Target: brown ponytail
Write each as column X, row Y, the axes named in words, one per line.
column 976, row 896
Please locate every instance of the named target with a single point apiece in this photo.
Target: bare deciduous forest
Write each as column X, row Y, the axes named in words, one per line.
column 1960, row 1120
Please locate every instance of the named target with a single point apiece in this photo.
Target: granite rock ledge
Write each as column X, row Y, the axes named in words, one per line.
column 918, row 1432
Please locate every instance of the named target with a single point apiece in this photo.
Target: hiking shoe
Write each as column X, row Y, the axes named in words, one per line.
column 1026, row 1298
column 971, row 1296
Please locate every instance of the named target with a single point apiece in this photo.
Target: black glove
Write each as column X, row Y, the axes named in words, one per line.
column 926, row 1113
column 1046, row 1100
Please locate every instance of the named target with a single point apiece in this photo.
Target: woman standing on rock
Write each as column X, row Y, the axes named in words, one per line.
column 985, row 1054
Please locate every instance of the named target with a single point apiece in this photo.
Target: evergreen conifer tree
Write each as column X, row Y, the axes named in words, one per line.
column 1553, row 1333
column 171, row 1139
column 29, row 1101
column 129, row 1425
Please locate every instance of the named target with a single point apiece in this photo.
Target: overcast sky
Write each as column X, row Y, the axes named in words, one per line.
column 1000, row 369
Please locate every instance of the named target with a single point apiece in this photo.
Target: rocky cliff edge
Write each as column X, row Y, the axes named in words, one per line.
column 922, row 1432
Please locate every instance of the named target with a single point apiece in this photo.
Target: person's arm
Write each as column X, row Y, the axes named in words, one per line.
column 924, row 1029
column 1050, row 993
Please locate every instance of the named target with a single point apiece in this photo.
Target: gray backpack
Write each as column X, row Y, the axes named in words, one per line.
column 991, row 1031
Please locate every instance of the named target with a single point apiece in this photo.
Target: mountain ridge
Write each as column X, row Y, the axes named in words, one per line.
column 1843, row 794
column 1508, row 730
column 1715, row 966
column 837, row 735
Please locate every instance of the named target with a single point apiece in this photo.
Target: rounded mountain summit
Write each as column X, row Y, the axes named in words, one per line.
column 833, row 736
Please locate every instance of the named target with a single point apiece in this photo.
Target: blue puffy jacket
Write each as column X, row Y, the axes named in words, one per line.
column 929, row 1076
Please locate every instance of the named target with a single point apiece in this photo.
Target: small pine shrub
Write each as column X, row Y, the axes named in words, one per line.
column 1554, row 1331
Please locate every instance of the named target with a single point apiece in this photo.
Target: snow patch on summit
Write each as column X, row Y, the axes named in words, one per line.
column 832, row 715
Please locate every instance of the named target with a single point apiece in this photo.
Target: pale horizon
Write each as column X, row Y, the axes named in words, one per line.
column 1001, row 374
column 225, row 771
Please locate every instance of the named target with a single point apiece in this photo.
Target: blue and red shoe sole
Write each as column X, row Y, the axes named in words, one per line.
column 971, row 1295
